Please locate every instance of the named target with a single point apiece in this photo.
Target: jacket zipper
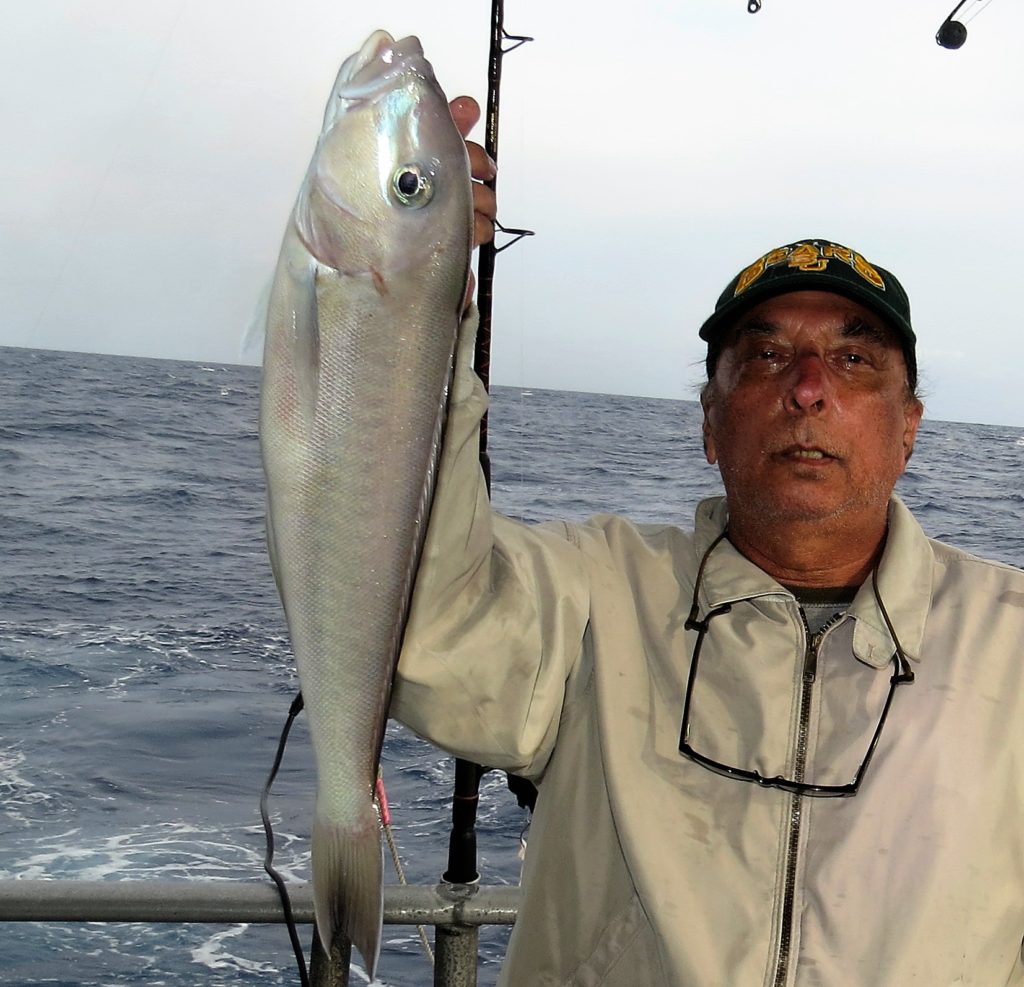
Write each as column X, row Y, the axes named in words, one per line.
column 796, row 801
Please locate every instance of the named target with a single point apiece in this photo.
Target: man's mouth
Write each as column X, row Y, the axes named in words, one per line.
column 806, row 454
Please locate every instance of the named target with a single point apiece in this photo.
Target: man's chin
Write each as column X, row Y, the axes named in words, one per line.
column 809, row 505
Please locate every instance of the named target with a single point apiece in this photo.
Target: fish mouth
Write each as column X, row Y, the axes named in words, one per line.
column 380, row 59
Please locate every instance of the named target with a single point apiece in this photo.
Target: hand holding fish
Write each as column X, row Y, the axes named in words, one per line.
column 466, row 114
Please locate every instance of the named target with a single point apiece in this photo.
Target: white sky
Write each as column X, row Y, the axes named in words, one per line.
column 151, row 153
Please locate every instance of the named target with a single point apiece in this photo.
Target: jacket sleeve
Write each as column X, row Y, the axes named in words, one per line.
column 498, row 613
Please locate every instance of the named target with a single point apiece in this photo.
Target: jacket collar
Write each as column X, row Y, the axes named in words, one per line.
column 904, row 582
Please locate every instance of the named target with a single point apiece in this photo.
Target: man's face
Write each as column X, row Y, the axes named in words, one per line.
column 808, row 415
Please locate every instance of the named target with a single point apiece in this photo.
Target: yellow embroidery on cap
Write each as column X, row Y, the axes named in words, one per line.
column 805, row 257
column 749, row 275
column 752, row 273
column 866, row 271
column 808, row 256
column 844, row 254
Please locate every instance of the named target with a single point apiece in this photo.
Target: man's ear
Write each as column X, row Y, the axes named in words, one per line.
column 912, row 419
column 709, row 443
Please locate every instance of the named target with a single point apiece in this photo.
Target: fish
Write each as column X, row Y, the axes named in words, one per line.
column 361, row 328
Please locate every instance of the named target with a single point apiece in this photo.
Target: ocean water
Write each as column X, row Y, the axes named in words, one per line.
column 145, row 671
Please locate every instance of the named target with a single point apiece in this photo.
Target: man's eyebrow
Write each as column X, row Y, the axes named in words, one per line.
column 856, row 328
column 754, row 326
column 853, row 328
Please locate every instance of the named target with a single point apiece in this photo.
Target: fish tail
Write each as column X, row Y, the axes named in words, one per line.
column 348, row 877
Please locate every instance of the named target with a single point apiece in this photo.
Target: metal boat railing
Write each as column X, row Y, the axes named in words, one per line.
column 456, row 911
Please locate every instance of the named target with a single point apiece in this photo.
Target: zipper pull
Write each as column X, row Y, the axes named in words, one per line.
column 811, row 661
column 814, row 642
column 811, row 655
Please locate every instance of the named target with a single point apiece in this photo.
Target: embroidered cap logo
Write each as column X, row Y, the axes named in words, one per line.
column 809, row 256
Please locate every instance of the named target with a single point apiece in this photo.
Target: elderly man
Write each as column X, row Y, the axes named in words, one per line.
column 786, row 748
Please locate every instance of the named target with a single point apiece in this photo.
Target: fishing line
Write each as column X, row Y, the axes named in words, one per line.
column 970, row 17
column 268, row 860
column 396, row 860
column 275, row 875
column 974, row 7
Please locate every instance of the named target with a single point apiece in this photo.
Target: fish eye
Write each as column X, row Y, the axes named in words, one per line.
column 411, row 186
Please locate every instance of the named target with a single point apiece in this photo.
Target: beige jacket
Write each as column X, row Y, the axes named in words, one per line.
column 559, row 652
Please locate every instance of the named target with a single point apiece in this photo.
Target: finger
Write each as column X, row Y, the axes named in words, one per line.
column 483, row 230
column 465, row 112
column 481, row 167
column 485, row 209
column 485, row 203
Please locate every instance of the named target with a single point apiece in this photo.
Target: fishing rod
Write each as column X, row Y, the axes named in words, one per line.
column 462, row 857
column 951, row 33
column 489, row 251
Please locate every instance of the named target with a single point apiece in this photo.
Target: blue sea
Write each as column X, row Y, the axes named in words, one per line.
column 145, row 671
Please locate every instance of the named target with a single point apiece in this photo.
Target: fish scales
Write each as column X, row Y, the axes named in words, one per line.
column 361, row 330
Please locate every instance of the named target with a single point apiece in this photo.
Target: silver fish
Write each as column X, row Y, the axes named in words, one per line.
column 361, row 330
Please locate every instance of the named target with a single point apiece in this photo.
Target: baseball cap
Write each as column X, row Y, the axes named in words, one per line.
column 813, row 265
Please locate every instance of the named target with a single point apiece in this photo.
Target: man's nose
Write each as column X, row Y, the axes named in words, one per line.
column 810, row 389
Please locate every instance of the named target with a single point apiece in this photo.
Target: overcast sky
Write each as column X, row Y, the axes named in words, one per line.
column 151, row 153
